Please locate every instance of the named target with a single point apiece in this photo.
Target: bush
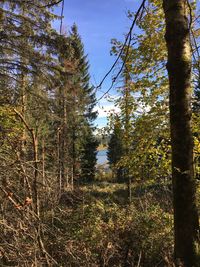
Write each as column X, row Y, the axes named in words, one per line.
column 100, row 234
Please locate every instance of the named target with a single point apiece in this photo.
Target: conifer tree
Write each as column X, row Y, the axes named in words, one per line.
column 116, row 150
column 86, row 103
column 88, row 156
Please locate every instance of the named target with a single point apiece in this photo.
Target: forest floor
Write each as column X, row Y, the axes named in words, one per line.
column 118, row 192
column 99, row 218
column 95, row 225
column 106, row 228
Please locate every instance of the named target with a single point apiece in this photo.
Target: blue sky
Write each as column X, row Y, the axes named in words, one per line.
column 98, row 22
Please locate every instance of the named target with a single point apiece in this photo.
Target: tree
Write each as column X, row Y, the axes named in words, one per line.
column 28, row 62
column 116, row 150
column 144, row 99
column 88, row 157
column 150, row 81
column 74, row 100
column 84, row 103
column 186, row 225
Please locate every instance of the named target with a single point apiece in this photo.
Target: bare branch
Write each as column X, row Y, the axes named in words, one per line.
column 126, row 43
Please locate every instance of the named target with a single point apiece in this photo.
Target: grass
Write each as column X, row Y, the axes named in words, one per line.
column 103, row 228
column 117, row 193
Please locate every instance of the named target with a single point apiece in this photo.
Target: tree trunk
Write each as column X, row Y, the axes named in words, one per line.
column 36, row 173
column 61, row 140
column 43, row 162
column 73, row 158
column 179, row 70
column 24, row 109
column 127, row 128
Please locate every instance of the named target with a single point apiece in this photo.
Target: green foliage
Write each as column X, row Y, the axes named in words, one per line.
column 27, row 34
column 100, row 231
column 116, row 150
column 88, row 158
column 85, row 142
column 46, row 123
column 143, row 102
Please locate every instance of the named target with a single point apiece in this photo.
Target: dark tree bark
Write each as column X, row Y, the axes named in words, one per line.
column 179, row 70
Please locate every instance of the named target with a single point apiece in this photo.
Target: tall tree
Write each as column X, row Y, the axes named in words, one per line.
column 85, row 99
column 149, row 152
column 27, row 55
column 179, row 70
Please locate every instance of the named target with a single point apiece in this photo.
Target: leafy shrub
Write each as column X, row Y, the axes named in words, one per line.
column 99, row 233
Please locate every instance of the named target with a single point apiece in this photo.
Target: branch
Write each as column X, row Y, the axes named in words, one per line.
column 127, row 42
column 48, row 5
column 52, row 4
column 24, row 121
column 61, row 16
column 190, row 13
column 9, row 194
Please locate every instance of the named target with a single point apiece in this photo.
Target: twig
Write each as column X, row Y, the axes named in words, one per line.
column 52, row 4
column 9, row 196
column 139, row 260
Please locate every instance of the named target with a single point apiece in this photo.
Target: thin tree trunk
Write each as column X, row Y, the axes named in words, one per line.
column 59, row 163
column 35, row 181
column 35, row 160
column 24, row 107
column 73, row 158
column 23, row 95
column 179, row 71
column 127, row 128
column 43, row 162
column 129, row 189
column 62, row 140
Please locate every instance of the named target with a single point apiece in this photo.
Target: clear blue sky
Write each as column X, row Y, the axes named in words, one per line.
column 98, row 22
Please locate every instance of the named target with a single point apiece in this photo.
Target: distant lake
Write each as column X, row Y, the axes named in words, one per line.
column 102, row 157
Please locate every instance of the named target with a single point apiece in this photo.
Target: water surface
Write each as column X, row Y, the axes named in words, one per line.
column 102, row 157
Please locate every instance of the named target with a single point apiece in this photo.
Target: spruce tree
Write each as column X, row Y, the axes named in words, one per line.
column 116, row 151
column 88, row 157
column 88, row 142
column 27, row 39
